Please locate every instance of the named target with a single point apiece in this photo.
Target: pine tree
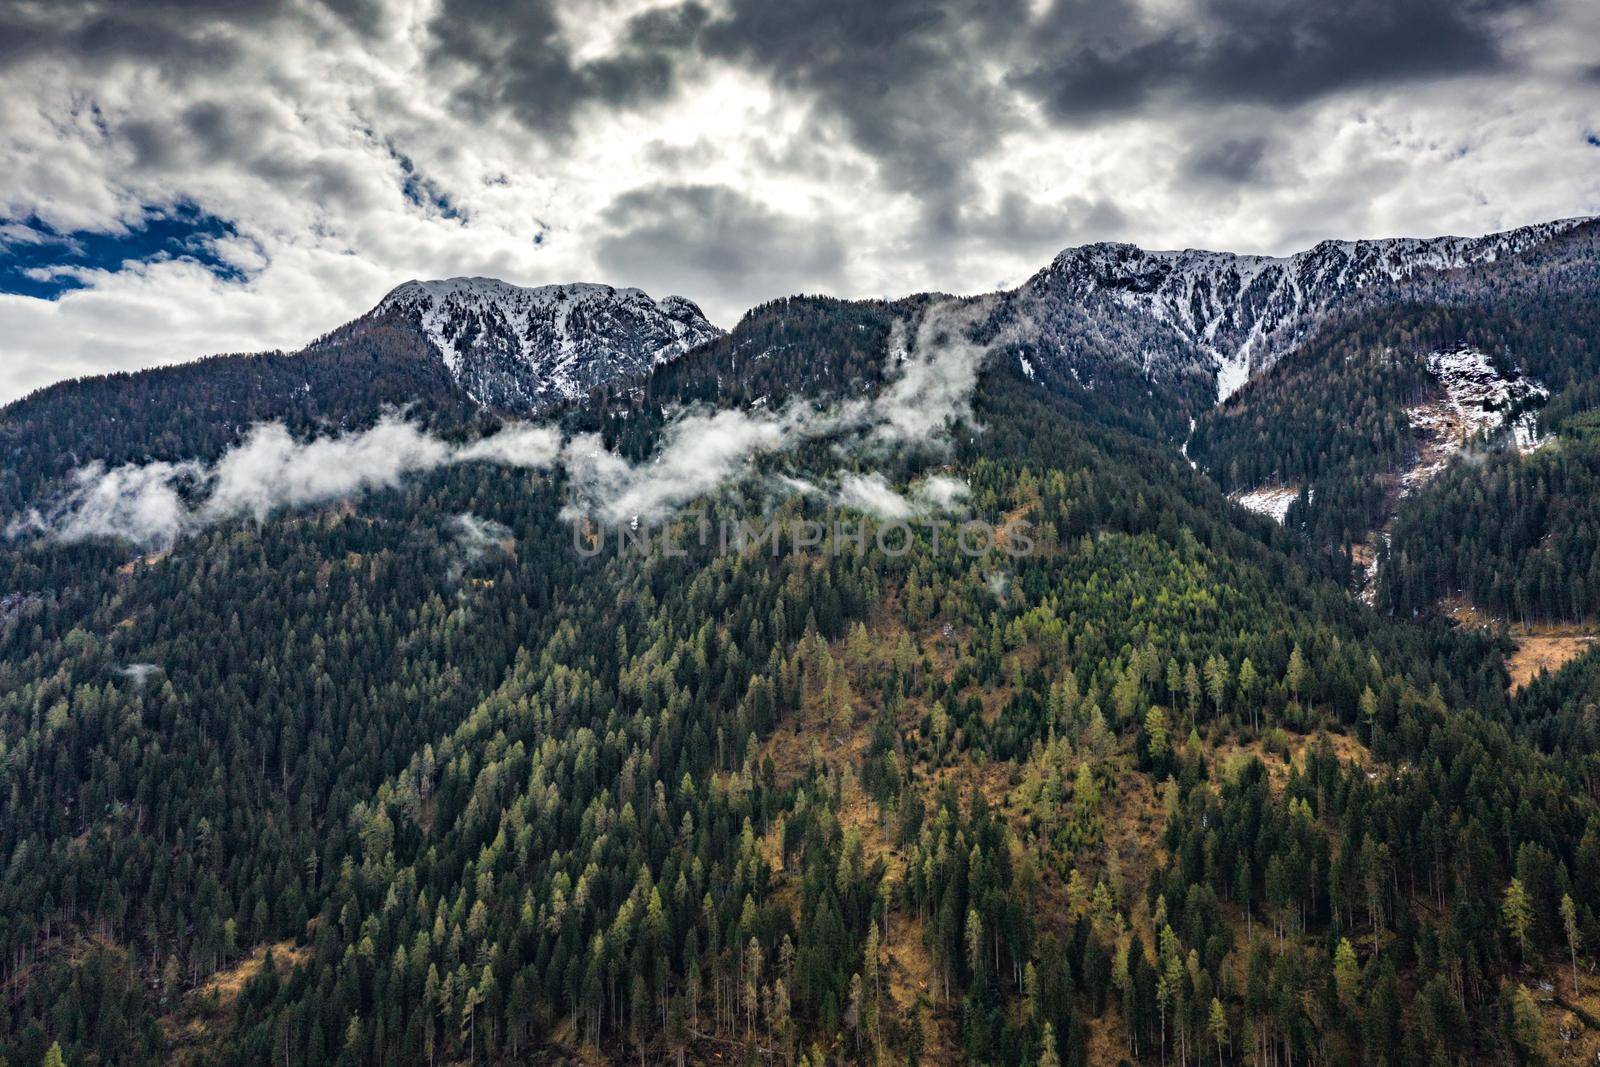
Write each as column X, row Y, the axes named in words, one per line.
column 870, row 971
column 1295, row 675
column 1217, row 682
column 1248, row 683
column 1518, row 913
column 1346, row 973
column 1217, row 1024
column 1048, row 1057
column 1155, row 728
column 1369, row 709
column 1569, row 922
column 915, row 1037
column 1527, row 1028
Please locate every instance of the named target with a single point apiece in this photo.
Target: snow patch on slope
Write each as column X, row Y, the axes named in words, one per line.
column 1232, row 373
column 1272, row 501
column 1477, row 400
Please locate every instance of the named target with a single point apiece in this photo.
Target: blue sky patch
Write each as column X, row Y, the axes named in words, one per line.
column 38, row 261
column 421, row 190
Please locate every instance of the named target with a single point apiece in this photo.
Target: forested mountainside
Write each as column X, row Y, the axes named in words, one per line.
column 1378, row 400
column 1514, row 533
column 427, row 775
column 195, row 410
column 1148, row 331
column 437, row 349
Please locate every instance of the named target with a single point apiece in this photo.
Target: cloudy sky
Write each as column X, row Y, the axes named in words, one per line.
column 194, row 176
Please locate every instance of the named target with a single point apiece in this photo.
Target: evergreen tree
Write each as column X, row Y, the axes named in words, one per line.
column 1518, row 915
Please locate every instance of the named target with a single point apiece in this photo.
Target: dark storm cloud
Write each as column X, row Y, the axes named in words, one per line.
column 925, row 88
column 906, row 79
column 154, row 148
column 514, row 58
column 365, row 17
column 928, row 87
column 177, row 34
column 1034, row 229
column 207, row 131
column 1025, row 227
column 712, row 239
column 1096, row 59
column 1231, row 160
column 214, row 129
column 228, row 133
column 674, row 27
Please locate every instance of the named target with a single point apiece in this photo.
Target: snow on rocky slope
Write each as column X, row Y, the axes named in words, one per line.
column 522, row 349
column 1272, row 501
column 1475, row 398
column 1233, row 316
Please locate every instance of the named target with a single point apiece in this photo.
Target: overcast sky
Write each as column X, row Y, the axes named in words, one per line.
column 200, row 176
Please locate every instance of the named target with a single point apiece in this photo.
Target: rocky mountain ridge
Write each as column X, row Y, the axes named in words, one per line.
column 524, row 349
column 1233, row 315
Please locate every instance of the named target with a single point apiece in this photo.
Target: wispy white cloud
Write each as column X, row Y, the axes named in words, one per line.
column 155, row 503
column 474, row 537
column 699, row 453
column 938, row 373
column 943, row 492
column 872, row 494
column 272, row 470
column 139, row 673
column 133, row 503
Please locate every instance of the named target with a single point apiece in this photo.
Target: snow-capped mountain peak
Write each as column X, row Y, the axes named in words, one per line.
column 1237, row 314
column 522, row 349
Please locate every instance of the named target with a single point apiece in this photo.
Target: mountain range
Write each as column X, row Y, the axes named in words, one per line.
column 338, row 727
column 1165, row 338
column 1172, row 315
